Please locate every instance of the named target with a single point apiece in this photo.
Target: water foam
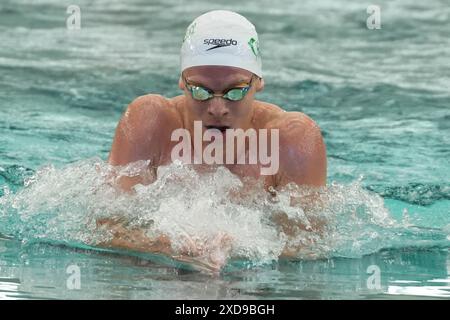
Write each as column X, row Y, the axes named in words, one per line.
column 65, row 205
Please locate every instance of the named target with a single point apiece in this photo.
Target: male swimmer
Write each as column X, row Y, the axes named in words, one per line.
column 220, row 75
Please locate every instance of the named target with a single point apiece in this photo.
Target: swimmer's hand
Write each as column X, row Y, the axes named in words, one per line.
column 134, row 239
column 211, row 257
column 305, row 222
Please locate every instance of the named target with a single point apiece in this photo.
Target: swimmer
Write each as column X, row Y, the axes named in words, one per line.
column 221, row 71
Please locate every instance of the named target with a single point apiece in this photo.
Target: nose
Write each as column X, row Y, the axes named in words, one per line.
column 217, row 108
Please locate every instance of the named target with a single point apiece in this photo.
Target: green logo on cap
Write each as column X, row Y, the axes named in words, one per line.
column 254, row 45
column 190, row 31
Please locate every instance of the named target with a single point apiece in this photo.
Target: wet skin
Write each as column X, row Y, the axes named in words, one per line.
column 144, row 133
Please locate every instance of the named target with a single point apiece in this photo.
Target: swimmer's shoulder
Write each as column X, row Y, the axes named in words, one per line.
column 302, row 156
column 153, row 109
column 265, row 112
column 272, row 116
column 144, row 130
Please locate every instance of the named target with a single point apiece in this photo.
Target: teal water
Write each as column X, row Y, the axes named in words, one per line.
column 381, row 98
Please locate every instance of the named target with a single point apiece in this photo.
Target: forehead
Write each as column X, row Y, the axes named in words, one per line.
column 216, row 76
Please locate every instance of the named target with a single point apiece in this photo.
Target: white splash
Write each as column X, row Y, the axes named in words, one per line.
column 188, row 207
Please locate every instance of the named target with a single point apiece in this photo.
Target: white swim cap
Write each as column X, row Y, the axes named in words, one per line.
column 221, row 38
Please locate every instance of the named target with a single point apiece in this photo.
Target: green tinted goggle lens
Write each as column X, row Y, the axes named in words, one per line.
column 236, row 94
column 199, row 93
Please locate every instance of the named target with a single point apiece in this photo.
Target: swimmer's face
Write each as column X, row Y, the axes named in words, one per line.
column 217, row 111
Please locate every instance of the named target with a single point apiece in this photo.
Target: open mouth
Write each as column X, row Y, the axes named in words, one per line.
column 220, row 128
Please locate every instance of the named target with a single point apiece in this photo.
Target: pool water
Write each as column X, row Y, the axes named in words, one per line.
column 381, row 98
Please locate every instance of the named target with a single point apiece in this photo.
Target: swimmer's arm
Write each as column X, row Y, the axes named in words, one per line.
column 134, row 240
column 302, row 160
column 141, row 135
column 210, row 258
column 302, row 152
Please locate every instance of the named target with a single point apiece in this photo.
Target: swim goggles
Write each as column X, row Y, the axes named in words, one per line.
column 203, row 94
